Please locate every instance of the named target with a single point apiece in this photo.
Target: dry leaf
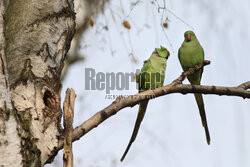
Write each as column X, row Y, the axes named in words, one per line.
column 126, row 24
column 165, row 25
column 91, row 22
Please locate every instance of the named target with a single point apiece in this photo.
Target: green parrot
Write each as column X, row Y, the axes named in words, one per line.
column 190, row 54
column 152, row 76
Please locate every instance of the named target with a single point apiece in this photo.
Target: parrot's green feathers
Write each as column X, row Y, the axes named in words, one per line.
column 189, row 32
column 152, row 76
column 190, row 54
column 189, row 36
column 163, row 52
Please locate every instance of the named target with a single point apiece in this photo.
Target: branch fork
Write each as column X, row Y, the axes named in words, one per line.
column 175, row 87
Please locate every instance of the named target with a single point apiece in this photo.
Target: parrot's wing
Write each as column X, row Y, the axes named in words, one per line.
column 162, row 79
column 180, row 52
column 203, row 55
column 144, row 75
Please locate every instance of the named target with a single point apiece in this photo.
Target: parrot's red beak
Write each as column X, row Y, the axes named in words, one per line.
column 188, row 37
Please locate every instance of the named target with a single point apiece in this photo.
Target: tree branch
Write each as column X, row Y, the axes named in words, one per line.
column 175, row 87
column 245, row 85
column 68, row 117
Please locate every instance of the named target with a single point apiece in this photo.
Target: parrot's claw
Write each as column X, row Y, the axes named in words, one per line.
column 155, row 87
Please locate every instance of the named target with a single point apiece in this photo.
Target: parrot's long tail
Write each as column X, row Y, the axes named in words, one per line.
column 141, row 113
column 200, row 104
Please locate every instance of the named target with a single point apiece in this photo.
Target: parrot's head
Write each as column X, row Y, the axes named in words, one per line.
column 189, row 36
column 162, row 52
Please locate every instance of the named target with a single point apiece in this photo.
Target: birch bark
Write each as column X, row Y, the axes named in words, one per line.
column 34, row 39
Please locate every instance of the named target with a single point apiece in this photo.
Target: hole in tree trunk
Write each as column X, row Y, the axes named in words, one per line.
column 49, row 99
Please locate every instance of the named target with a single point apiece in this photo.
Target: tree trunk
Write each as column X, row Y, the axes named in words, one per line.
column 34, row 39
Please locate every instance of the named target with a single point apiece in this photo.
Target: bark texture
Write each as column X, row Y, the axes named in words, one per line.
column 34, row 39
column 68, row 118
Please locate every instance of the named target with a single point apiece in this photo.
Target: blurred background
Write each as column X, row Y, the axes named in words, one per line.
column 117, row 36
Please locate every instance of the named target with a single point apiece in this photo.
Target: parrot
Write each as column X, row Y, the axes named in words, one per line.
column 152, row 75
column 190, row 54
